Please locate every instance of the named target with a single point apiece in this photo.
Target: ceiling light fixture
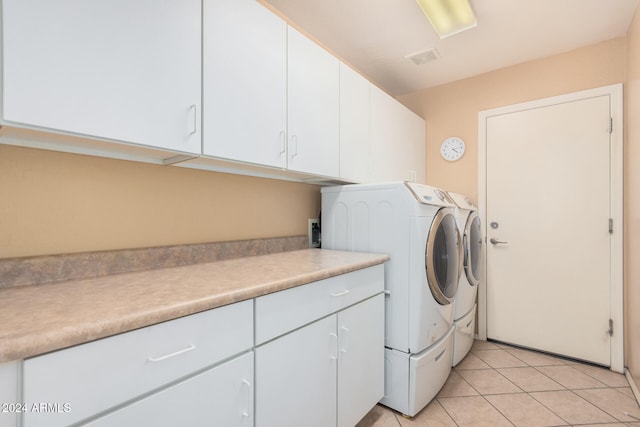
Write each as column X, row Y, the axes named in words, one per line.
column 449, row 17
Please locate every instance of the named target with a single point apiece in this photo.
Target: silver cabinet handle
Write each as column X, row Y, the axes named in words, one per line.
column 334, row 356
column 283, row 138
column 170, row 355
column 294, row 139
column 344, row 333
column 497, row 242
column 247, row 411
column 194, row 126
column 340, row 293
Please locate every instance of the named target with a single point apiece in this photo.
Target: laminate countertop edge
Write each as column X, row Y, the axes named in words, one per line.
column 39, row 319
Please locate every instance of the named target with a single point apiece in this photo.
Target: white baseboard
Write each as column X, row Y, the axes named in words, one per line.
column 634, row 386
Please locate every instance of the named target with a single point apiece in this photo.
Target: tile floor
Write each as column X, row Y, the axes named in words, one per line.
column 498, row 385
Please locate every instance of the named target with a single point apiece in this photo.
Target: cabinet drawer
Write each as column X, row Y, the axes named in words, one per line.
column 222, row 396
column 90, row 378
column 281, row 312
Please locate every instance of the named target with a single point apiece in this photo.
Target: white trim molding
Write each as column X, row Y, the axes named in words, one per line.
column 615, row 93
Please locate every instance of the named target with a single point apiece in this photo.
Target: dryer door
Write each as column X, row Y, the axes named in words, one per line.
column 473, row 248
column 443, row 256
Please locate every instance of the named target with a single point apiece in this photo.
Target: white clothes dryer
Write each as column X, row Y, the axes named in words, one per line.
column 464, row 313
column 415, row 225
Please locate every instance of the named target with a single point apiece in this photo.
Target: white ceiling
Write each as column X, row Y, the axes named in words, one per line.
column 375, row 36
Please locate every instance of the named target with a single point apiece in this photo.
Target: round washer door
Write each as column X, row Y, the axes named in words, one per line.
column 443, row 256
column 473, row 248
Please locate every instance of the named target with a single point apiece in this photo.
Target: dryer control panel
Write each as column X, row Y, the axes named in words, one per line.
column 430, row 195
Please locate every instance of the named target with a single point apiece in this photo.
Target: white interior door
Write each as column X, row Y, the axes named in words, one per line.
column 548, row 278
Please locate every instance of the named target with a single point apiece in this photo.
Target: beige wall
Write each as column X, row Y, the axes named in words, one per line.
column 62, row 203
column 632, row 199
column 452, row 109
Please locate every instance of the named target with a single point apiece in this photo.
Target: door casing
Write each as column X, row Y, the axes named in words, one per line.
column 615, row 93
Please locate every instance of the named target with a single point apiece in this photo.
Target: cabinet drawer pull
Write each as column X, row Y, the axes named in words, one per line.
column 339, row 294
column 170, row 355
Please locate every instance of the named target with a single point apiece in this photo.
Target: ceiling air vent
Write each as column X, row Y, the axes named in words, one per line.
column 424, row 57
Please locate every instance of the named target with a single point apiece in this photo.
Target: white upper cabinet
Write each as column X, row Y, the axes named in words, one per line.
column 354, row 126
column 313, row 107
column 244, row 82
column 126, row 70
column 397, row 140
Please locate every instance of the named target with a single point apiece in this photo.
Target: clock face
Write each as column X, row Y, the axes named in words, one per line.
column 452, row 149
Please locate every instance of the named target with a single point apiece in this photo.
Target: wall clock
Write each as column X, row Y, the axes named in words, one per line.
column 452, row 148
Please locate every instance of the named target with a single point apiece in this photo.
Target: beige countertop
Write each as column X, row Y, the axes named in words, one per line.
column 43, row 318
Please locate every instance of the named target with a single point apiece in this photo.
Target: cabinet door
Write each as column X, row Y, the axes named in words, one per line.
column 413, row 131
column 222, row 396
column 127, row 70
column 397, row 140
column 313, row 102
column 296, row 378
column 354, row 125
column 9, row 387
column 245, row 82
column 361, row 359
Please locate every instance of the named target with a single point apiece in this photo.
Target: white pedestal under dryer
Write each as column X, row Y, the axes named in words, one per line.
column 464, row 308
column 415, row 225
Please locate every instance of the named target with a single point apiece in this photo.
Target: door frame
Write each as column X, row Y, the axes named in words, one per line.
column 616, row 206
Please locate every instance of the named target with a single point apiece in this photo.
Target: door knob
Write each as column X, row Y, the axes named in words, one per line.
column 496, row 242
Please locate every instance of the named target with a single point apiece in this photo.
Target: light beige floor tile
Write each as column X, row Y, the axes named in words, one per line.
column 473, row 411
column 499, row 358
column 379, row 416
column 607, row 425
column 570, row 377
column 604, row 375
column 471, row 361
column 489, row 381
column 530, row 379
column 533, row 358
column 572, row 408
column 523, row 410
column 627, row 392
column 433, row 415
column 612, row 402
column 483, row 345
column 456, row 386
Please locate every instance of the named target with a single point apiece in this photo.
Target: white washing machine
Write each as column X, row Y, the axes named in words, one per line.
column 415, row 225
column 464, row 308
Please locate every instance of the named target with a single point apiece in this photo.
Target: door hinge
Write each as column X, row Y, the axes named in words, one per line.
column 610, row 225
column 610, row 331
column 610, row 125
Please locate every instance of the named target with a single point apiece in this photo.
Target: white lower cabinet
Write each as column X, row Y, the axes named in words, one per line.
column 10, row 406
column 296, row 378
column 222, row 396
column 87, row 380
column 312, row 355
column 360, row 360
column 329, row 372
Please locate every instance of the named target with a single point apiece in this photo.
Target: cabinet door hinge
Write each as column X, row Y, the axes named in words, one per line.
column 610, row 225
column 610, row 125
column 610, row 331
